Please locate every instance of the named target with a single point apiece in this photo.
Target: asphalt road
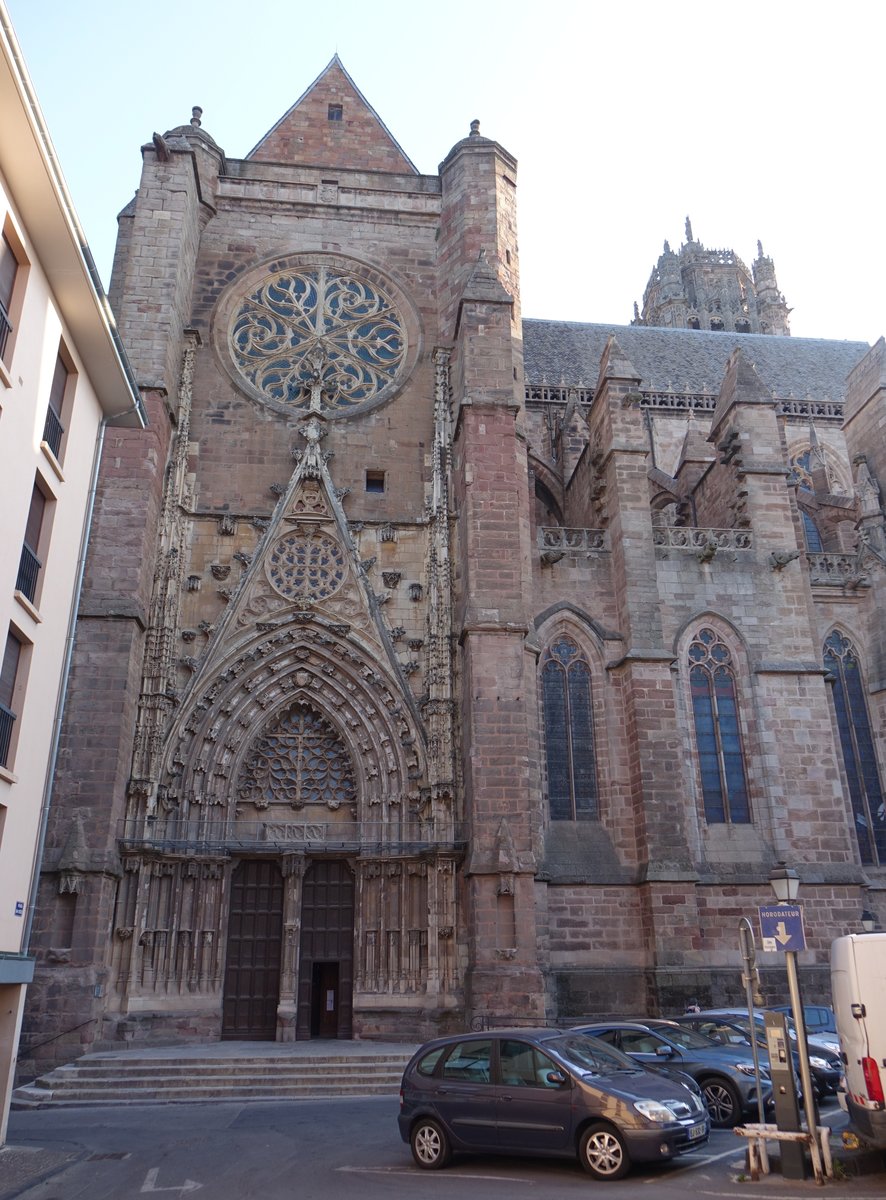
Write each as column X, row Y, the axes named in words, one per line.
column 323, row 1150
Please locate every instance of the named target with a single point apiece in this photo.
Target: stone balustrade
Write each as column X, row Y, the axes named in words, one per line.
column 689, row 537
column 555, row 542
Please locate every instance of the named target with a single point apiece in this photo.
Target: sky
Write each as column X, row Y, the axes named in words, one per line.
column 759, row 121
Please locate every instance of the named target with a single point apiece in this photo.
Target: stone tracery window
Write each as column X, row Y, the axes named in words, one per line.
column 811, row 533
column 319, row 326
column 717, row 730
column 306, row 568
column 804, row 462
column 569, row 733
column 857, row 745
column 300, row 759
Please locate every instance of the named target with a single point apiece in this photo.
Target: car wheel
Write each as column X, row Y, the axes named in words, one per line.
column 723, row 1101
column 603, row 1153
column 430, row 1145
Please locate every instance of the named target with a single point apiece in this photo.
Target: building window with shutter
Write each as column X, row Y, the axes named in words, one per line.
column 56, row 414
column 30, row 563
column 718, row 730
column 857, row 745
column 569, row 733
column 8, row 273
column 9, row 677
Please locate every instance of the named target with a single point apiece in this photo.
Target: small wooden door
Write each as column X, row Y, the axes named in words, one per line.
column 326, row 951
column 325, row 1000
column 252, row 965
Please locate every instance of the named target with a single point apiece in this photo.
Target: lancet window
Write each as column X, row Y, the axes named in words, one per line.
column 718, row 730
column 569, row 733
column 857, row 745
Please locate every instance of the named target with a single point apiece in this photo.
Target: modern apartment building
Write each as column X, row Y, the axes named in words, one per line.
column 65, row 386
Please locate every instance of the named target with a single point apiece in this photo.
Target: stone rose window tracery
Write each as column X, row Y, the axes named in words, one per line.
column 306, row 568
column 319, row 334
column 300, row 759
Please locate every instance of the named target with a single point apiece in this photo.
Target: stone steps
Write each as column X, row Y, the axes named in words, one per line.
column 130, row 1078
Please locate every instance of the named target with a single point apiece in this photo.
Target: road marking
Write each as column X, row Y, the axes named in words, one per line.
column 150, row 1184
column 437, row 1175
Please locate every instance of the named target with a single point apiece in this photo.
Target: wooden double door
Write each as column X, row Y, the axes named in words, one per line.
column 253, row 966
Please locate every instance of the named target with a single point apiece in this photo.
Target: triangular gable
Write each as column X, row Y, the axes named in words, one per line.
column 741, row 385
column 333, row 125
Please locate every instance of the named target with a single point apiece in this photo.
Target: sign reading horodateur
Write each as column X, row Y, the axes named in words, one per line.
column 781, row 927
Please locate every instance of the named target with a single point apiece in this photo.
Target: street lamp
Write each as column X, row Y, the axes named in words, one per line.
column 868, row 921
column 786, row 884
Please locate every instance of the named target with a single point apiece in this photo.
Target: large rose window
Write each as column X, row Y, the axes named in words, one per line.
column 319, row 335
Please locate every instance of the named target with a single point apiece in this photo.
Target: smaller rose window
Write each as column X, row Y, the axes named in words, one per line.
column 306, row 568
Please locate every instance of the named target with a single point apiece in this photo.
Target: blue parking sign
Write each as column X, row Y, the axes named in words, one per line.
column 781, row 927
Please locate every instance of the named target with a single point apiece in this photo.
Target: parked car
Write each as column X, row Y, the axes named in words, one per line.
column 825, row 1065
column 544, row 1092
column 730, row 1032
column 725, row 1074
column 818, row 1018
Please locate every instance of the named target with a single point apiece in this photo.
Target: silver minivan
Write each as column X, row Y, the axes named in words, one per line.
column 544, row 1092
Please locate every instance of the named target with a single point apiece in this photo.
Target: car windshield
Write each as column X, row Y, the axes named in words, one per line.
column 760, row 1025
column 682, row 1036
column 590, row 1054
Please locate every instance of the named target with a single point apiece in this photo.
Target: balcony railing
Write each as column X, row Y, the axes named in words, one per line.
column 690, row 537
column 836, row 570
column 170, row 835
column 28, row 573
column 669, row 400
column 53, row 431
column 5, row 330
column 555, row 542
column 7, row 721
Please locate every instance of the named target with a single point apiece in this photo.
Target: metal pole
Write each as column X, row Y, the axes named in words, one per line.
column 746, row 941
column 810, row 1109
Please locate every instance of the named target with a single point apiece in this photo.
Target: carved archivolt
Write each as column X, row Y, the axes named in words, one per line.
column 232, row 734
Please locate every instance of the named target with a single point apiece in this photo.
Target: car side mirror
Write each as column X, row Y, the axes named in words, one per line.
column 663, row 1052
column 555, row 1078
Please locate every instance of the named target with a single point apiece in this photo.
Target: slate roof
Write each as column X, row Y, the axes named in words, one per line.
column 570, row 352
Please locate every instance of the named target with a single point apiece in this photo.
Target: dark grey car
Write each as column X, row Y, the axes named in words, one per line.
column 725, row 1074
column 544, row 1092
column 824, row 1055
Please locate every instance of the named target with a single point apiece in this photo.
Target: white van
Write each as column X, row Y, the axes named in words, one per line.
column 858, row 986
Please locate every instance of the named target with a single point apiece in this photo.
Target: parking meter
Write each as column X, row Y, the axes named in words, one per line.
column 784, row 1093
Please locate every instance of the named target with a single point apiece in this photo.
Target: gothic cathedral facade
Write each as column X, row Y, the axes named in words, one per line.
column 436, row 667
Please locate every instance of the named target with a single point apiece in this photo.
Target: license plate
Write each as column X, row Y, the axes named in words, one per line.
column 696, row 1131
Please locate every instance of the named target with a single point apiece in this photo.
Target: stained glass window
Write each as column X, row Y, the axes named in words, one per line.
column 300, row 759
column 811, row 533
column 569, row 734
column 717, row 730
column 857, row 744
column 321, row 329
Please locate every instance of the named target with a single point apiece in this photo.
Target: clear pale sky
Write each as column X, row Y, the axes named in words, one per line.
column 759, row 120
